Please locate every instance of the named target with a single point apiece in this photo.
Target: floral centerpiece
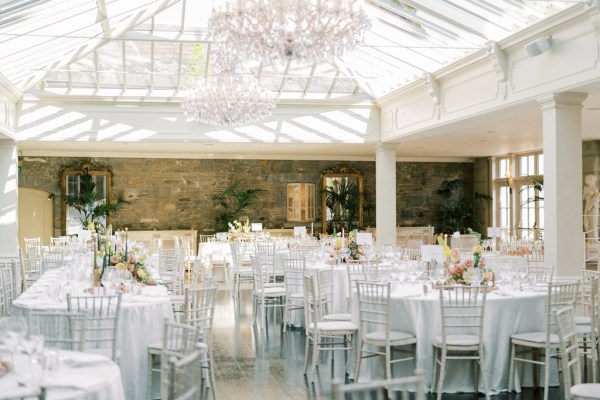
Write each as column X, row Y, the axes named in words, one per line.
column 467, row 271
column 130, row 258
column 347, row 247
column 239, row 230
column 356, row 250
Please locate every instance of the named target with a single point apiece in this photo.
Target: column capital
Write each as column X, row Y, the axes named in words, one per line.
column 564, row 99
column 385, row 146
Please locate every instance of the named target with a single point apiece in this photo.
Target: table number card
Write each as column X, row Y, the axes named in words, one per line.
column 256, row 226
column 84, row 235
column 432, row 252
column 364, row 238
column 494, row 232
column 299, row 231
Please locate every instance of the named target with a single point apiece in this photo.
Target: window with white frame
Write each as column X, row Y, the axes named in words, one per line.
column 519, row 205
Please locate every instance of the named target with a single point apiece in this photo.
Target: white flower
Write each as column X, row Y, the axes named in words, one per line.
column 469, row 275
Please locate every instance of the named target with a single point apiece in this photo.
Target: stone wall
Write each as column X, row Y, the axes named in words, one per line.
column 417, row 200
column 176, row 193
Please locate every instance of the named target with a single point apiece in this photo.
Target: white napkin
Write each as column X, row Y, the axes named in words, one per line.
column 78, row 360
column 154, row 291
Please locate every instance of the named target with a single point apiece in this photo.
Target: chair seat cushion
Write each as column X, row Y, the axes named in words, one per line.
column 456, row 340
column 581, row 320
column 395, row 336
column 275, row 284
column 245, row 272
column 274, row 291
column 177, row 297
column 586, row 390
column 337, row 317
column 534, row 337
column 583, row 329
column 335, row 326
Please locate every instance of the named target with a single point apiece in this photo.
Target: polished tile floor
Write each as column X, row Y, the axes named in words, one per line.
column 268, row 365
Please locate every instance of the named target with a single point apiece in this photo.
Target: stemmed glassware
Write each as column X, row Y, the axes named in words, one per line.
column 12, row 331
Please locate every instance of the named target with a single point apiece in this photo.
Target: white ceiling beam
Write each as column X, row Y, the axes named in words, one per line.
column 446, row 12
column 347, row 70
column 94, row 43
column 310, row 78
column 9, row 90
column 166, row 36
column 103, row 13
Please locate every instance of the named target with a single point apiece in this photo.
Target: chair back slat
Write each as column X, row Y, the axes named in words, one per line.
column 374, row 307
column 198, row 310
column 180, row 362
column 61, row 329
column 102, row 313
column 569, row 348
column 462, row 310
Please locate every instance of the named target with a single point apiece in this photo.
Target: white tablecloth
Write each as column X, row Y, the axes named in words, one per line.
column 141, row 324
column 506, row 313
column 79, row 376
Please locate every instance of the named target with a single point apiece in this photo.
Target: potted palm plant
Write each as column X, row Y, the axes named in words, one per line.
column 91, row 205
column 233, row 201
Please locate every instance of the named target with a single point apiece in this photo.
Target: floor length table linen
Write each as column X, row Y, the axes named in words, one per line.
column 506, row 313
column 80, row 376
column 141, row 324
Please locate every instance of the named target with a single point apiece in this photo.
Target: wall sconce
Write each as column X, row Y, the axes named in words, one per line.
column 509, row 180
column 50, row 196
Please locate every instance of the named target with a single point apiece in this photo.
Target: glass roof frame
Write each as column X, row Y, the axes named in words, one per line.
column 150, row 45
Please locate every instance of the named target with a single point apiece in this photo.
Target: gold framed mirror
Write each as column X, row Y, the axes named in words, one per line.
column 342, row 199
column 72, row 185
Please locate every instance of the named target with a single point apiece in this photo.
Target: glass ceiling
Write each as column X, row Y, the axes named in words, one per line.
column 161, row 47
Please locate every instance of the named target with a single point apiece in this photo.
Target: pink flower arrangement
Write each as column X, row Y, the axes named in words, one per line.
column 468, row 271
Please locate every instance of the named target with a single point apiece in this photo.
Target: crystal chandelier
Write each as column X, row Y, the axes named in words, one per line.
column 227, row 98
column 277, row 30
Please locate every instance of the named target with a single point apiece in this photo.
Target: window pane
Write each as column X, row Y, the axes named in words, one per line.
column 528, row 212
column 503, row 168
column 527, row 165
column 504, row 207
column 540, row 164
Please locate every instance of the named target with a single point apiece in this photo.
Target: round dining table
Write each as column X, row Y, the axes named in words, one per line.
column 140, row 324
column 76, row 376
column 507, row 312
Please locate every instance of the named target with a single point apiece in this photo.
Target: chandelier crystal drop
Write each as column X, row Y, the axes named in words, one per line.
column 227, row 98
column 274, row 31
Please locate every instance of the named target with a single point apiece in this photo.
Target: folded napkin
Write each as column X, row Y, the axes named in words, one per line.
column 68, row 381
column 78, row 360
column 154, row 291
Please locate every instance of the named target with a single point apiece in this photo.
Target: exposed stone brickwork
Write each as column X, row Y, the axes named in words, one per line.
column 176, row 193
column 417, row 200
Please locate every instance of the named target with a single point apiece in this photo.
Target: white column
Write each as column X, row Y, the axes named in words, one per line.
column 385, row 187
column 9, row 245
column 563, row 210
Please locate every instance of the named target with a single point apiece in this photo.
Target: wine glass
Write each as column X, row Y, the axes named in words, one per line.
column 522, row 274
column 32, row 346
column 12, row 330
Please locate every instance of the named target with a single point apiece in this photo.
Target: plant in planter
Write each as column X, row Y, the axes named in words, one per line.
column 90, row 204
column 457, row 213
column 232, row 202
